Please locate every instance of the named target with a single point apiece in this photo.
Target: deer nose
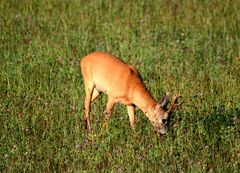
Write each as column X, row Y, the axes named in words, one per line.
column 162, row 131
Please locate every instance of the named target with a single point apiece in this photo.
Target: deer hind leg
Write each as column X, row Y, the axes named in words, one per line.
column 88, row 91
column 130, row 110
column 95, row 94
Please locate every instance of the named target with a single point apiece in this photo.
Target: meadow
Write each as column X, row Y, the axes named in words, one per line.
column 187, row 47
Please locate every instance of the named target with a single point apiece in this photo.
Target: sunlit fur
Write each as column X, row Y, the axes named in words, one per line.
column 105, row 73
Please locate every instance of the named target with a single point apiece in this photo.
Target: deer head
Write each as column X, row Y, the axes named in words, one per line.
column 162, row 113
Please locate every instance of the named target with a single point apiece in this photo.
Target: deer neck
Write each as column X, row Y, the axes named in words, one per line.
column 144, row 101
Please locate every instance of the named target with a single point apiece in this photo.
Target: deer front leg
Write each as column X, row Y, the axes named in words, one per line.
column 109, row 107
column 108, row 110
column 130, row 110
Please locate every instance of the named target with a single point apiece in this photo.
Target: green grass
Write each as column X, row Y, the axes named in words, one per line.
column 187, row 47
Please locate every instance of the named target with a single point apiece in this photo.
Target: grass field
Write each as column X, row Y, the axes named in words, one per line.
column 188, row 47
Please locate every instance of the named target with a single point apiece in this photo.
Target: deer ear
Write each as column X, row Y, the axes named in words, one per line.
column 164, row 100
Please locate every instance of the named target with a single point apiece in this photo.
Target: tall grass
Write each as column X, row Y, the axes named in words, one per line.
column 187, row 47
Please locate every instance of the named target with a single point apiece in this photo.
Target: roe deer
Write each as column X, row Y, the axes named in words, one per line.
column 102, row 72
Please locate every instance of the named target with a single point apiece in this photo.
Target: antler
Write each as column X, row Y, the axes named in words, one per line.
column 164, row 100
column 173, row 104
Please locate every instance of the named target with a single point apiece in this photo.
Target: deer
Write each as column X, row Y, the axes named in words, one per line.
column 105, row 73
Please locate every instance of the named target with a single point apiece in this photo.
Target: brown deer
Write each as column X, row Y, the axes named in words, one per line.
column 102, row 72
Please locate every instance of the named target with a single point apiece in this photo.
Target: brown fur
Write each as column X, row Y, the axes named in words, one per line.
column 102, row 72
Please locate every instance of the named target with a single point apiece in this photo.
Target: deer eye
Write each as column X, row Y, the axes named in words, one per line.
column 164, row 121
